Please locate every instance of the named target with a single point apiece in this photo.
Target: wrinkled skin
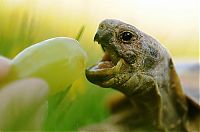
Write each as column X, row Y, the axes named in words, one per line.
column 142, row 69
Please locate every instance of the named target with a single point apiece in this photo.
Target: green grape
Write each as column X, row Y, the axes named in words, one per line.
column 58, row 61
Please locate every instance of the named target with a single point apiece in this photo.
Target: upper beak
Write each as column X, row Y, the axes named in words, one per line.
column 103, row 37
column 96, row 37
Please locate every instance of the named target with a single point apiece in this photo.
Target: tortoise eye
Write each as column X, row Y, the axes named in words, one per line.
column 127, row 36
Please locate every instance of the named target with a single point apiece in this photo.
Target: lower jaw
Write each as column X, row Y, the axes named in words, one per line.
column 100, row 76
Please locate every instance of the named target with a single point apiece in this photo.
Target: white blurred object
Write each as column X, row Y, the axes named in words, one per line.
column 23, row 105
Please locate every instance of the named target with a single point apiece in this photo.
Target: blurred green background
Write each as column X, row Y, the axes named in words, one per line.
column 25, row 22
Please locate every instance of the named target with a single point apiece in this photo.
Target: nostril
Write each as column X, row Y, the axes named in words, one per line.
column 96, row 37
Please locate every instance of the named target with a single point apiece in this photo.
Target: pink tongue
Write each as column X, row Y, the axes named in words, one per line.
column 106, row 57
column 105, row 64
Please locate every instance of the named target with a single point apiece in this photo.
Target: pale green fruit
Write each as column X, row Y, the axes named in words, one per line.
column 59, row 61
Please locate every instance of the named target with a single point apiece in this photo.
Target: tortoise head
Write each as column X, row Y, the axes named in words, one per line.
column 127, row 51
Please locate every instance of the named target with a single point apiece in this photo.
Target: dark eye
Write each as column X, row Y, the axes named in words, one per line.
column 126, row 36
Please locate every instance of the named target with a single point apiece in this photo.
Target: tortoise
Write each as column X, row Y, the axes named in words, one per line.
column 137, row 65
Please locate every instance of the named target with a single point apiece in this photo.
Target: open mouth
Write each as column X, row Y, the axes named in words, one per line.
column 108, row 62
column 105, row 63
column 106, row 68
column 110, row 57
